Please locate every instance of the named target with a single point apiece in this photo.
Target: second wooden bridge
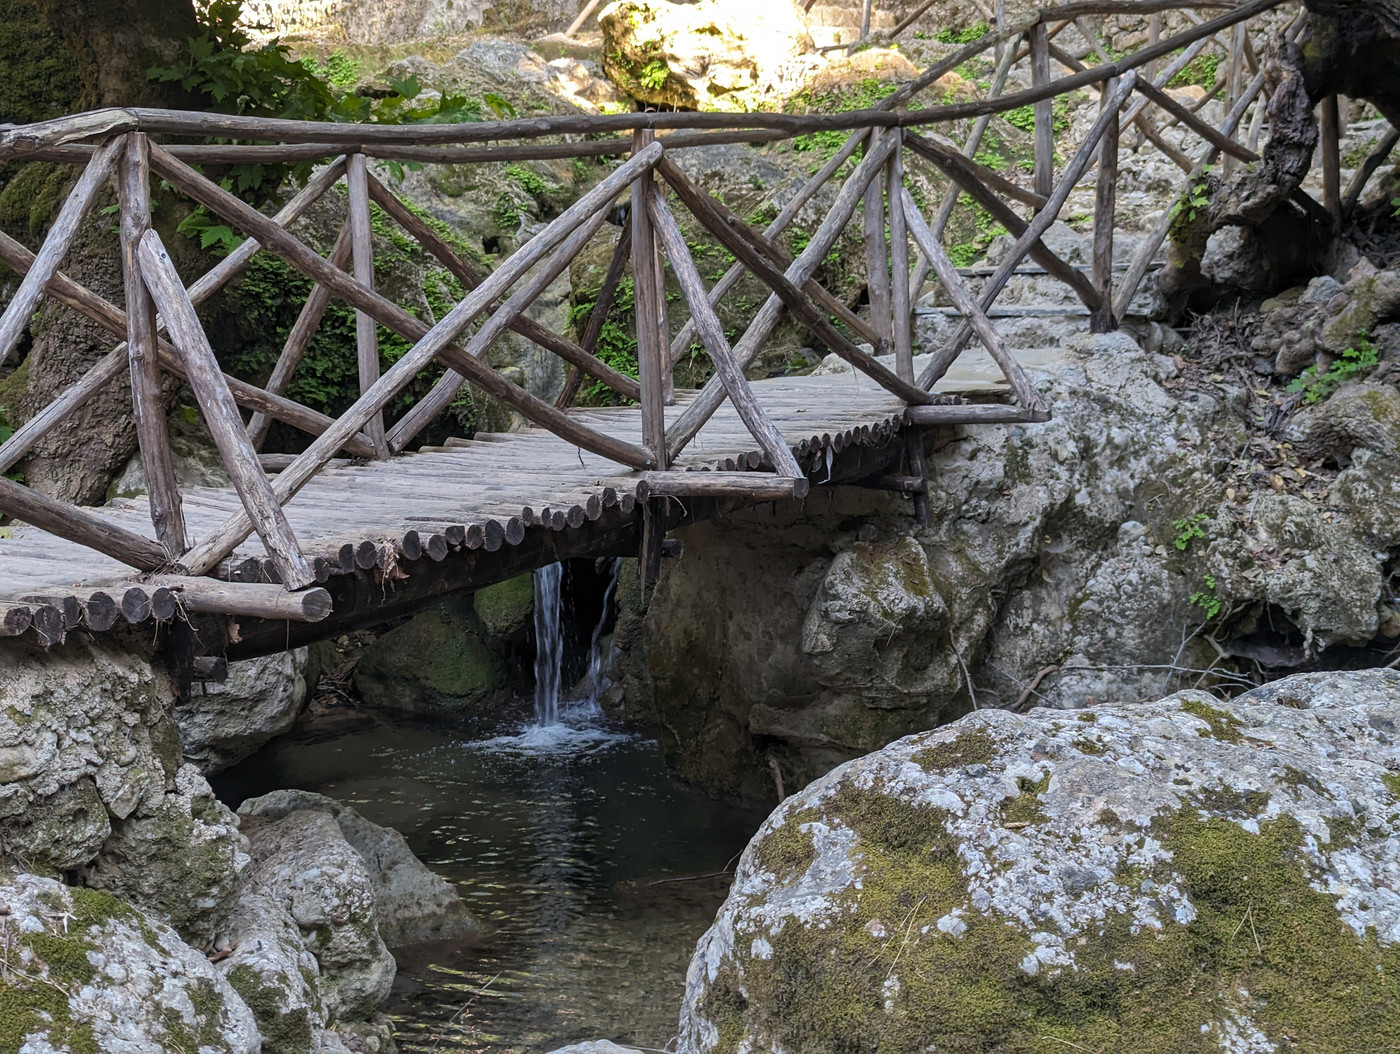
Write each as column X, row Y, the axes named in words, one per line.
column 359, row 527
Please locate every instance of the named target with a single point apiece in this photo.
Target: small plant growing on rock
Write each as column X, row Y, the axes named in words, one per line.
column 1189, row 529
column 1206, row 600
column 1316, row 385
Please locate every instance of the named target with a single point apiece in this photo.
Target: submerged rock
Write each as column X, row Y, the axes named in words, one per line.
column 86, row 972
column 410, row 902
column 1188, row 874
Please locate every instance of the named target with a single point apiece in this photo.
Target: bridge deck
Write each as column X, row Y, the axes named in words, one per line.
column 389, row 520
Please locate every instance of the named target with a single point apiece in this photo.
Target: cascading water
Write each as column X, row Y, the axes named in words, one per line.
column 595, row 683
column 549, row 643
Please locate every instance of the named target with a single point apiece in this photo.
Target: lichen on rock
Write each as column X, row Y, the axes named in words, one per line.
column 1190, row 874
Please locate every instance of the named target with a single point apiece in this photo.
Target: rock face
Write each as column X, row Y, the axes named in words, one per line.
column 710, row 55
column 410, row 902
column 85, row 971
column 221, row 724
column 1188, row 874
column 395, row 21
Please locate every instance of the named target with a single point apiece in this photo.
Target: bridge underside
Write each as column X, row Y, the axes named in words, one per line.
column 390, row 538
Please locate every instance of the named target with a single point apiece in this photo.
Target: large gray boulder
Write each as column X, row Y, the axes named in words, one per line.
column 410, row 902
column 1189, row 874
column 223, row 723
column 86, row 972
column 302, row 862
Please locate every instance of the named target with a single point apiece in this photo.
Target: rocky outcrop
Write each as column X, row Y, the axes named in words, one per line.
column 302, row 861
column 410, row 902
column 84, row 971
column 1066, row 562
column 1188, row 874
column 1312, row 326
column 710, row 55
column 396, row 21
column 221, row 723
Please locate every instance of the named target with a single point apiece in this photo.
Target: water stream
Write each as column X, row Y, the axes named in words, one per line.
column 593, row 871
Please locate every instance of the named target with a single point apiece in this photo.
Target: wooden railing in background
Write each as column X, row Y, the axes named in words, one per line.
column 888, row 137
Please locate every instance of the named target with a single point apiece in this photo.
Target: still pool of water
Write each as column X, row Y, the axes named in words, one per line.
column 594, row 872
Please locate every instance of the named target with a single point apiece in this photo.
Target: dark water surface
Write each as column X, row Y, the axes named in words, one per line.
column 567, row 844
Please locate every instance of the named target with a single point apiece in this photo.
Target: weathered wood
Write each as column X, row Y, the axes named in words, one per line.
column 439, row 344
column 710, row 397
column 298, row 337
column 100, row 611
column 366, row 330
column 65, row 228
column 1073, row 171
column 15, row 619
column 147, row 403
column 750, row 486
column 1190, row 120
column 210, row 597
column 1368, row 167
column 1044, row 174
column 221, row 414
column 1105, row 186
column 877, row 258
column 908, row 91
column 577, row 23
column 716, row 223
column 430, row 343
column 965, row 303
column 113, row 319
column 598, row 316
column 711, row 331
column 952, row 164
column 1329, row 136
column 914, row 454
column 580, row 357
column 1234, row 67
column 77, row 525
column 651, row 353
column 901, row 329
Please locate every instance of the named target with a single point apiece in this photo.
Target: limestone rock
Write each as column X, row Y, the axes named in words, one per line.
column 182, row 860
column 411, row 903
column 433, row 663
column 302, row 861
column 85, row 971
column 221, row 724
column 596, row 1046
column 79, row 718
column 394, row 21
column 1188, row 874
column 714, row 54
column 1356, row 415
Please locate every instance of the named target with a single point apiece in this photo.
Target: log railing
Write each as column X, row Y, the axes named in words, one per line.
column 162, row 332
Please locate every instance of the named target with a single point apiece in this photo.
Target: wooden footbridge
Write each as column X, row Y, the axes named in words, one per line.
column 360, row 527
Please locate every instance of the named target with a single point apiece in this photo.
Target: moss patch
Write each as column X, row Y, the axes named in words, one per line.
column 506, row 606
column 1025, row 807
column 1224, row 727
column 283, row 1032
column 787, row 852
column 970, row 748
column 1392, row 783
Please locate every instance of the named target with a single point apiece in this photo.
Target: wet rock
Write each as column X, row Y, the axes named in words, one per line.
column 223, row 723
column 507, row 607
column 411, row 903
column 714, row 54
column 434, row 663
column 1188, row 868
column 182, row 860
column 85, row 971
column 85, row 734
column 303, row 861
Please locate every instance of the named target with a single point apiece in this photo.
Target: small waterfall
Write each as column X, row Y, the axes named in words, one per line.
column 595, row 683
column 549, row 643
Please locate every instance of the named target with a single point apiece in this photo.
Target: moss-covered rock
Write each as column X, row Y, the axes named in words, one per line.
column 507, row 607
column 435, row 663
column 1186, row 875
column 86, row 973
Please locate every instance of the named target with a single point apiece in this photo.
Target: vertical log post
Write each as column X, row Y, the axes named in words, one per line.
column 1234, row 86
column 362, row 255
column 663, row 327
column 1102, row 320
column 1044, row 178
column 998, row 21
column 903, row 320
column 877, row 263
column 1330, row 133
column 914, row 452
column 147, row 406
column 651, row 359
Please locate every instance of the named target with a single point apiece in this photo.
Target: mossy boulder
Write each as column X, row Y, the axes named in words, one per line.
column 435, row 663
column 506, row 608
column 1184, row 875
column 86, row 973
